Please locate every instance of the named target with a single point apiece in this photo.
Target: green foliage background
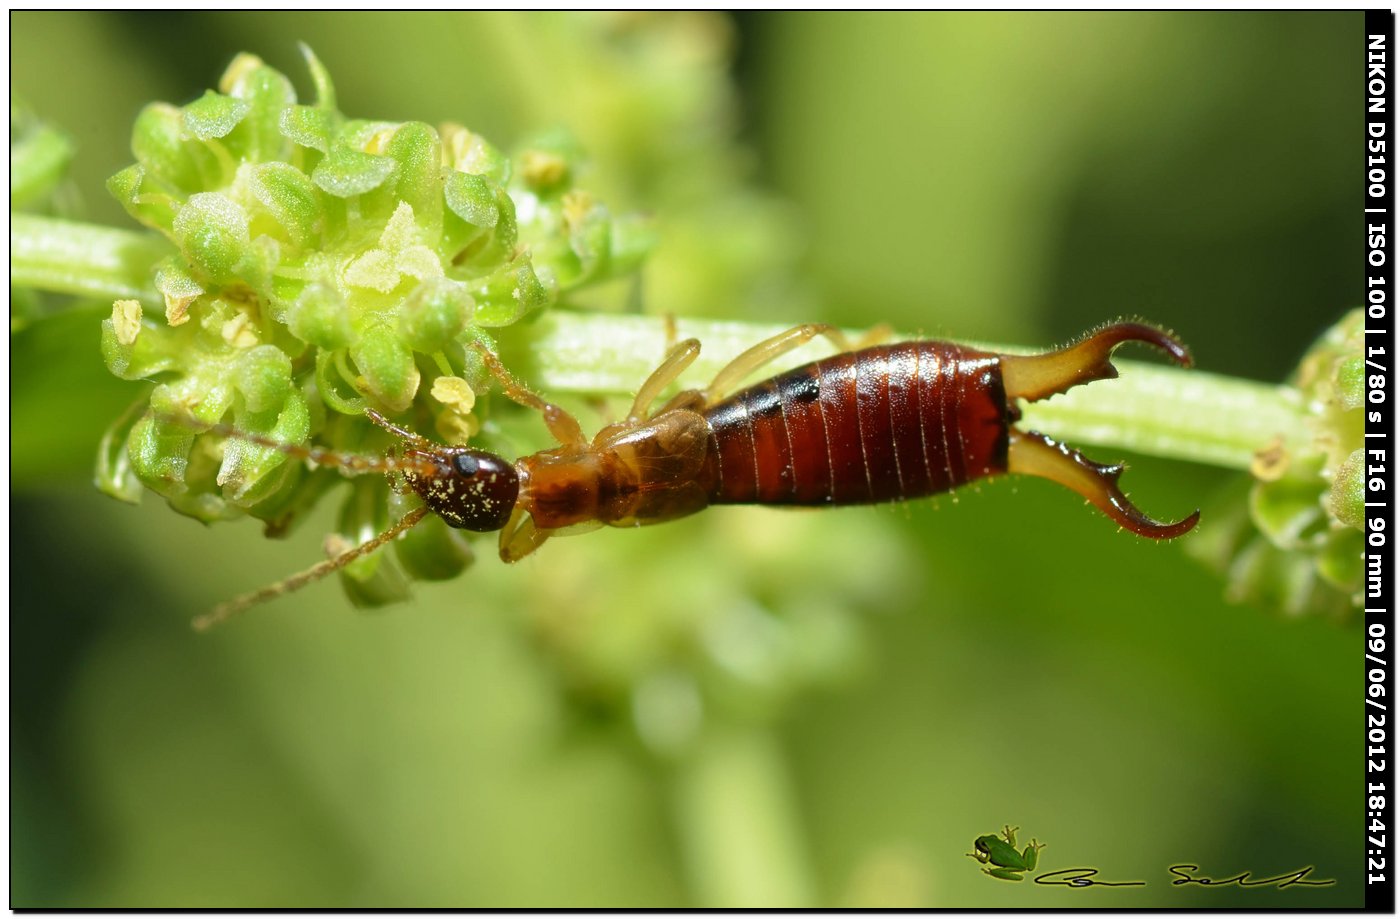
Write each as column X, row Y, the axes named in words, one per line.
column 751, row 706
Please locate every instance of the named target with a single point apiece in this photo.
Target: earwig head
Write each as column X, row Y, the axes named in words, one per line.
column 469, row 489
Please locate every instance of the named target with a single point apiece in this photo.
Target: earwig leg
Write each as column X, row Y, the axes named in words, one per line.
column 297, row 581
column 520, row 536
column 1035, row 377
column 563, row 426
column 1031, row 453
column 680, row 357
column 672, row 335
column 767, row 351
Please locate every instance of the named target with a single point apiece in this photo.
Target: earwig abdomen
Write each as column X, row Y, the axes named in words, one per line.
column 880, row 424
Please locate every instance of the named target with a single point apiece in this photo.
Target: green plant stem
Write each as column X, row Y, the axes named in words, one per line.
column 1157, row 411
column 738, row 823
column 65, row 256
column 38, row 162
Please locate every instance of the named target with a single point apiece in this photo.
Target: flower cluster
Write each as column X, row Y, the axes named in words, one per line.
column 1296, row 542
column 323, row 265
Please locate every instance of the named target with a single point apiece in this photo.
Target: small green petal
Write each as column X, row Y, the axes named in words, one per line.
column 212, row 232
column 371, row 580
column 1284, row 510
column 114, row 475
column 418, row 179
column 335, row 389
column 1341, row 561
column 213, row 115
column 268, row 93
column 160, row 144
column 159, row 454
column 289, row 198
column 1346, row 500
column 251, row 473
column 471, row 153
column 263, row 377
column 307, row 126
column 373, row 270
column 346, row 173
column 1351, row 382
column 143, row 358
column 473, row 198
column 387, row 366
column 154, row 210
column 591, row 241
column 433, row 551
column 509, row 294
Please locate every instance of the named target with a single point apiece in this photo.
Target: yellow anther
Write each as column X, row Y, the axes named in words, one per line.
column 454, row 392
column 542, row 169
column 126, row 320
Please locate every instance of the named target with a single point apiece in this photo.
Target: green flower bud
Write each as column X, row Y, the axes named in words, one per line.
column 159, row 143
column 153, row 209
column 433, row 551
column 250, row 472
column 159, row 454
column 263, row 378
column 467, row 152
column 435, row 314
column 258, row 136
column 374, row 579
column 387, row 366
column 212, row 232
column 1346, row 501
column 418, row 177
column 289, row 198
column 319, row 317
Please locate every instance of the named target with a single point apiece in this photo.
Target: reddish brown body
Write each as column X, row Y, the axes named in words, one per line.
column 881, row 424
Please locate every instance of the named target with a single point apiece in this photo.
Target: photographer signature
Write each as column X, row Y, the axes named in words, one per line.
column 1185, row 874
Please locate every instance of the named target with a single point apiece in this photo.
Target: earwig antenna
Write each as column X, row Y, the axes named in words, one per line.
column 315, row 573
column 322, row 456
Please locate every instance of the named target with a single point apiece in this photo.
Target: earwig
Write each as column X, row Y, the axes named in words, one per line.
column 869, row 425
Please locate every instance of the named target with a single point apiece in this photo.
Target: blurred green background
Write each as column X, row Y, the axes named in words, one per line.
column 748, row 707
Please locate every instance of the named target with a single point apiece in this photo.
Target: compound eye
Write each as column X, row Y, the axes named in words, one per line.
column 466, row 464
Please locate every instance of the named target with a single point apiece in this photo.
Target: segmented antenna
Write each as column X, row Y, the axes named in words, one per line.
column 323, row 456
column 297, row 581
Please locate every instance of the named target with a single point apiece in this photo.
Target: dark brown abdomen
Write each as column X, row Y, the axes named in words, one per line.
column 880, row 424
